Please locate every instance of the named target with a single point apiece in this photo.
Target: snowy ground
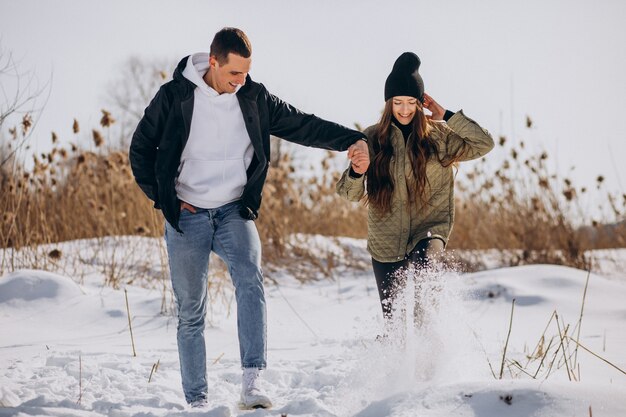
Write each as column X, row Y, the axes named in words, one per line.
column 65, row 345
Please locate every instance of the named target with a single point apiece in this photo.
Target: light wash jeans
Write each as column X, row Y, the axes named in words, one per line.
column 236, row 241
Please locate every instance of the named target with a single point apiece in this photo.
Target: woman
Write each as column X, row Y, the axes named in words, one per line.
column 410, row 179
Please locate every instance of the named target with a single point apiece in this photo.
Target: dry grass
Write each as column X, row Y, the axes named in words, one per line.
column 295, row 205
column 88, row 192
column 559, row 353
column 525, row 207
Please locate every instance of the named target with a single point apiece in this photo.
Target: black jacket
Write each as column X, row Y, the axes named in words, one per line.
column 162, row 133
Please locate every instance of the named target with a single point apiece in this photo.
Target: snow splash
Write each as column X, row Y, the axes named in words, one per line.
column 427, row 342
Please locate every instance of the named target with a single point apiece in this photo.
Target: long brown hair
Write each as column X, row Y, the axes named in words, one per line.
column 420, row 146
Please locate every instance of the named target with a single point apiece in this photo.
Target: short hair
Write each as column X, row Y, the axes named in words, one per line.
column 230, row 40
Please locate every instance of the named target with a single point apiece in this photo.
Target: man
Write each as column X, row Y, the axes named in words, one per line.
column 201, row 153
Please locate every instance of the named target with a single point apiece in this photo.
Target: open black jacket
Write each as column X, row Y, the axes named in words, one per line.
column 162, row 133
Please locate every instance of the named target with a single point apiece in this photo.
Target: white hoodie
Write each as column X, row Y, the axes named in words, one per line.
column 212, row 170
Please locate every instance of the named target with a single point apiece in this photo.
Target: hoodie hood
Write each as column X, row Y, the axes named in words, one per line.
column 196, row 66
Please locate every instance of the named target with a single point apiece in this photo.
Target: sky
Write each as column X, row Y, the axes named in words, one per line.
column 562, row 63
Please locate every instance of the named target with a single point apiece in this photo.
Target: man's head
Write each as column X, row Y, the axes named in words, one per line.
column 230, row 60
column 230, row 40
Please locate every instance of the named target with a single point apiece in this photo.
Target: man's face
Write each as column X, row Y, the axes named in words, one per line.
column 230, row 74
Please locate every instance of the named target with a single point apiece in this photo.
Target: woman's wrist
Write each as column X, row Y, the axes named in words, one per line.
column 354, row 174
column 447, row 115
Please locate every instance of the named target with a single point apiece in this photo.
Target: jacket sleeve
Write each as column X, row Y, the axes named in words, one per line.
column 291, row 124
column 467, row 137
column 145, row 142
column 351, row 188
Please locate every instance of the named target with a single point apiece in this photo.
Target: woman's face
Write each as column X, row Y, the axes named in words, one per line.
column 404, row 108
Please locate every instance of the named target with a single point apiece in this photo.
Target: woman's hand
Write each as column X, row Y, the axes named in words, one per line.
column 359, row 155
column 437, row 112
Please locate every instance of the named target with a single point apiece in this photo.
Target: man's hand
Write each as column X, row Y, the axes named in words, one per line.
column 435, row 108
column 359, row 155
column 184, row 205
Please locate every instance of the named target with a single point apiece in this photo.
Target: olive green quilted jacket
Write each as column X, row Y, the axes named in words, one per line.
column 394, row 234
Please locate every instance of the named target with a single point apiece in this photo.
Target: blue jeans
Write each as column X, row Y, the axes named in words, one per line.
column 236, row 241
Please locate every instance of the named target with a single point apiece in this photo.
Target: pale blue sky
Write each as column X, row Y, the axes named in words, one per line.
column 561, row 62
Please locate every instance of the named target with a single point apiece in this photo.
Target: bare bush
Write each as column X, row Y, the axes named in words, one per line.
column 131, row 91
column 23, row 97
column 533, row 214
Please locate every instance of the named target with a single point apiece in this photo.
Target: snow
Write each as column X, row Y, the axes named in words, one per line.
column 65, row 345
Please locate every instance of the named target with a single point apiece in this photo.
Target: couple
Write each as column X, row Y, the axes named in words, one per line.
column 201, row 154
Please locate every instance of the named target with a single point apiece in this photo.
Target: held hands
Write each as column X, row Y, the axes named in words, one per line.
column 437, row 112
column 359, row 155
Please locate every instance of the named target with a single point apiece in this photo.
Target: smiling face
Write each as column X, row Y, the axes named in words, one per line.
column 225, row 77
column 404, row 108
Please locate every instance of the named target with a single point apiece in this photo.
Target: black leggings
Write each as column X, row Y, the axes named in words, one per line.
column 385, row 272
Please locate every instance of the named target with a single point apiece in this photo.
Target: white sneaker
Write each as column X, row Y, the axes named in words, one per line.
column 200, row 403
column 251, row 395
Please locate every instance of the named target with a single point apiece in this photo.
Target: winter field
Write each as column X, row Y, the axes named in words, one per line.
column 66, row 347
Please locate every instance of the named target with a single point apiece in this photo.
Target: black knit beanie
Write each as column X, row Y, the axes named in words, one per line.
column 404, row 79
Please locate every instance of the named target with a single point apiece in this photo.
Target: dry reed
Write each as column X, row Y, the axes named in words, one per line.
column 85, row 192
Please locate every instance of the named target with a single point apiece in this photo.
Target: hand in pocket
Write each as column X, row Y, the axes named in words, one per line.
column 184, row 205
